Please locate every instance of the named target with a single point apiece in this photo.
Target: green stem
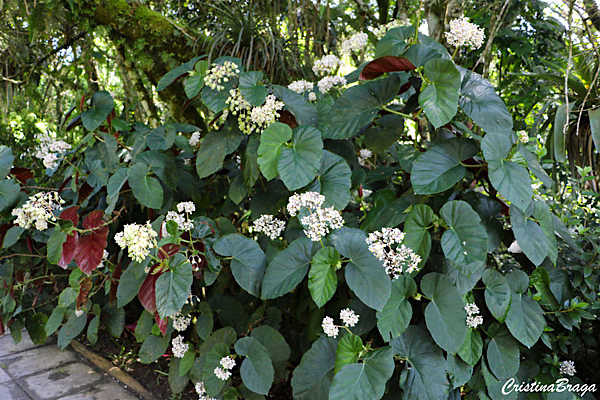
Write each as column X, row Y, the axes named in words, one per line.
column 397, row 113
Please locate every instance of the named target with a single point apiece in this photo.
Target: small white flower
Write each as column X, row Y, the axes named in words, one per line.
column 270, row 226
column 356, row 42
column 195, row 139
column 328, row 82
column 49, row 150
column 474, row 322
column 380, row 32
column 464, row 33
column 311, row 200
column 187, row 162
column 301, row 86
column 220, row 74
column 567, row 368
column 523, row 137
column 200, row 388
column 321, row 222
column 187, row 206
column 312, row 96
column 471, row 308
column 228, row 362
column 79, row 313
column 222, row 374
column 138, row 239
column 515, row 248
column 38, row 210
column 327, row 65
column 179, row 348
column 398, row 260
column 329, row 328
column 364, row 155
column 348, row 317
column 181, row 322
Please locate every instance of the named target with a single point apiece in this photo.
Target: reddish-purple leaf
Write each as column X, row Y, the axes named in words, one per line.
column 168, row 251
column 384, row 64
column 147, row 293
column 162, row 323
column 70, row 214
column 68, row 250
column 90, row 247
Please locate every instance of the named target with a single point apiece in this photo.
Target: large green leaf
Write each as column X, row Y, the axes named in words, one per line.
column 194, row 84
column 395, row 316
column 71, row 330
column 175, row 73
column 102, row 105
column 211, row 154
column 6, row 161
column 465, row 241
column 502, row 352
column 322, row 279
column 313, row 376
column 299, row 163
column 543, row 215
column 288, row 268
column 497, row 293
column 129, row 286
column 271, row 142
column 594, row 125
column 251, row 89
column 161, row 138
column 174, row 286
column 146, row 189
column 212, row 383
column 204, row 322
column 366, row 380
column 471, row 349
column 55, row 246
column 357, row 107
column 248, row 260
column 349, row 347
column 364, row 273
column 154, row 347
column 481, row 103
column 440, row 99
column 426, row 379
column 394, row 41
column 250, row 167
column 511, row 179
column 459, row 371
column 257, row 369
column 274, row 343
column 525, row 319
column 9, row 194
column 530, row 236
column 439, row 168
column 304, row 112
column 444, row 315
column 558, row 133
column 334, row 180
column 417, row 236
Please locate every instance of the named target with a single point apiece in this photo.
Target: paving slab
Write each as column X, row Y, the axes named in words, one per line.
column 36, row 360
column 52, row 384
column 7, row 345
column 12, row 391
column 106, row 391
column 4, row 376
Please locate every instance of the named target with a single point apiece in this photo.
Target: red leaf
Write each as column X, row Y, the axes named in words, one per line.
column 22, row 174
column 168, row 251
column 384, row 64
column 147, row 294
column 162, row 323
column 84, row 191
column 68, row 250
column 90, row 247
column 288, row 118
column 86, row 286
column 70, row 214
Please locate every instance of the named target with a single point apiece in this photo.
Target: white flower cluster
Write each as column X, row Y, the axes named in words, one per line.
column 242, row 109
column 104, row 258
column 395, row 260
column 201, row 390
column 195, row 139
column 312, row 96
column 49, row 149
column 182, row 221
column 308, row 200
column 187, row 206
column 38, row 210
column 473, row 320
column 220, row 74
column 79, row 313
column 464, row 33
column 181, row 322
column 328, row 82
column 138, row 239
column 348, row 317
column 364, row 155
column 354, row 43
column 301, row 86
column 179, row 348
column 381, row 31
column 321, row 220
column 567, row 368
column 523, row 137
column 514, row 248
column 327, row 65
column 224, row 371
column 265, row 115
column 270, row 226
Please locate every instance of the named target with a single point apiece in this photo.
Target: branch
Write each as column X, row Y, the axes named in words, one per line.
column 593, row 12
column 68, row 43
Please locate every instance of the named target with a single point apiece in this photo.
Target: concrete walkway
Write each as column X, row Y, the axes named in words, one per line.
column 30, row 372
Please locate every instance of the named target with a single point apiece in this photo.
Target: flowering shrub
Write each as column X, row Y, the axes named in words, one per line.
column 390, row 196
